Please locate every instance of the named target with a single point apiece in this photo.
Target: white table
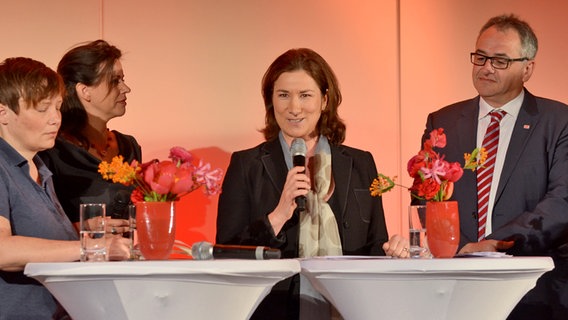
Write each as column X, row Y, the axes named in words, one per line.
column 175, row 289
column 459, row 288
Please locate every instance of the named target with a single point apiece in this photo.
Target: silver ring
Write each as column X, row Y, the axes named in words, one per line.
column 113, row 230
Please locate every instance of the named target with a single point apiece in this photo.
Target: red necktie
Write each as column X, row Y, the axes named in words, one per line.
column 485, row 172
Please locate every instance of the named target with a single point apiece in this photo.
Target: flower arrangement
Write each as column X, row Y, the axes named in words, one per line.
column 433, row 176
column 165, row 180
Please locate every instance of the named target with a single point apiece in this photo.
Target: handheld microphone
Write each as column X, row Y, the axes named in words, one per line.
column 298, row 150
column 119, row 206
column 206, row 251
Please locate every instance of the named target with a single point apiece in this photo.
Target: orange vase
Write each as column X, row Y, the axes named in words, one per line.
column 443, row 228
column 155, row 226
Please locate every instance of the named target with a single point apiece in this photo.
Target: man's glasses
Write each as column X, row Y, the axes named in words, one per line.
column 479, row 59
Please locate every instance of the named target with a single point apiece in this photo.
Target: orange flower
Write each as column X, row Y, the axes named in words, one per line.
column 475, row 159
column 118, row 171
column 381, row 184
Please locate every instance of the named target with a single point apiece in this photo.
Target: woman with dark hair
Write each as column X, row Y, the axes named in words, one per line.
column 96, row 93
column 257, row 204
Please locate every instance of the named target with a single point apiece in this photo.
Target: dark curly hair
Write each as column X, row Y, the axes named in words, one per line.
column 330, row 124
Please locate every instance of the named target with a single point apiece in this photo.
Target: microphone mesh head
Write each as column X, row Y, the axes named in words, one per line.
column 298, row 147
column 202, row 250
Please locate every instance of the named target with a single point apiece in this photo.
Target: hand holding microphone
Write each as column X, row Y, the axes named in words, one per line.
column 298, row 151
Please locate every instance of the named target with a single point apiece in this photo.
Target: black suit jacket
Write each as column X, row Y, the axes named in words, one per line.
column 252, row 187
column 531, row 204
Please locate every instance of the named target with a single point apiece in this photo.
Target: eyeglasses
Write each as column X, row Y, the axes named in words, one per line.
column 479, row 59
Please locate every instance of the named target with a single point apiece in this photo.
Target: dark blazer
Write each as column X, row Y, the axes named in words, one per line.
column 531, row 205
column 253, row 184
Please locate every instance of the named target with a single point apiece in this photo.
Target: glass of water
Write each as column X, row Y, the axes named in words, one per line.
column 417, row 232
column 92, row 232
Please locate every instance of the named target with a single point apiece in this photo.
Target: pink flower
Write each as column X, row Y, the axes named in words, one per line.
column 180, row 155
column 210, row 178
column 183, row 182
column 437, row 170
column 160, row 176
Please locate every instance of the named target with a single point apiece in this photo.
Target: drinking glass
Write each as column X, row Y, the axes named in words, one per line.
column 135, row 253
column 417, row 232
column 92, row 232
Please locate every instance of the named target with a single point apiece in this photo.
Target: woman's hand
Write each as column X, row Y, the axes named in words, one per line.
column 116, row 226
column 118, row 248
column 397, row 247
column 297, row 184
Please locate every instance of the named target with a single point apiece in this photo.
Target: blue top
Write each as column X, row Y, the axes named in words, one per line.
column 33, row 211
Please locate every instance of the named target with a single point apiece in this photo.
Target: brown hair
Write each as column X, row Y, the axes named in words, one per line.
column 28, row 79
column 330, row 124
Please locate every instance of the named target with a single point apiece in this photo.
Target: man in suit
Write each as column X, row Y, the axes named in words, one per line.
column 527, row 206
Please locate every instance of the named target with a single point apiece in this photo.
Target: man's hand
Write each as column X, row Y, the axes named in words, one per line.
column 486, row 246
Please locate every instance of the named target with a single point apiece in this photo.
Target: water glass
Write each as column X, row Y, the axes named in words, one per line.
column 134, row 246
column 92, row 219
column 417, row 232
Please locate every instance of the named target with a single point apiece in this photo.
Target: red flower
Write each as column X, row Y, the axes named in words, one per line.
column 427, row 189
column 416, row 162
column 454, row 172
column 438, row 138
column 137, row 196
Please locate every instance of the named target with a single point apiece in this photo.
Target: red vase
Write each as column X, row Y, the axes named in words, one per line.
column 443, row 228
column 155, row 226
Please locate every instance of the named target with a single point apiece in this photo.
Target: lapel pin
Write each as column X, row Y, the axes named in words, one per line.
column 526, row 126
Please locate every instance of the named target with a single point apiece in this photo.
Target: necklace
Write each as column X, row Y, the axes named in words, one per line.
column 102, row 152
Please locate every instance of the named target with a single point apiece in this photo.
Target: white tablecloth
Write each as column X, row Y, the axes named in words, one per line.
column 163, row 290
column 437, row 289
